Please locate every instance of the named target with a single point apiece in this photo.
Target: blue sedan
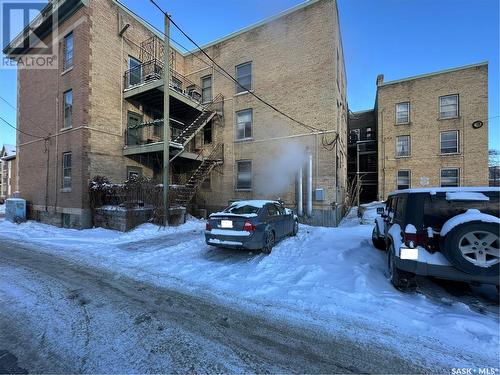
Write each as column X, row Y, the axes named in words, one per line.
column 252, row 224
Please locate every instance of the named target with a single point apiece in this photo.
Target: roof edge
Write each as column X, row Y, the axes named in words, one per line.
column 236, row 33
column 450, row 70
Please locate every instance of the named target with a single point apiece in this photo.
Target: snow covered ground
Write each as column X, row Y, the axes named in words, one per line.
column 331, row 278
column 2, row 209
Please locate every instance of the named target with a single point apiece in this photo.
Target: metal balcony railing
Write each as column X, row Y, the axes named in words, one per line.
column 150, row 132
column 153, row 70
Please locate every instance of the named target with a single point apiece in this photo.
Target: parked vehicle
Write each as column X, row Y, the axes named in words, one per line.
column 252, row 224
column 367, row 212
column 449, row 233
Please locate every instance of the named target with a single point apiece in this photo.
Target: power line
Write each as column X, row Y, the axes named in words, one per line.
column 231, row 77
column 13, row 107
column 19, row 130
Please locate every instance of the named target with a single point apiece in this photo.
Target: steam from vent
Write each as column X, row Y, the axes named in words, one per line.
column 277, row 176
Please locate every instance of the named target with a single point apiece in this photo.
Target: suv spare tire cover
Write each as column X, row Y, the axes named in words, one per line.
column 450, row 246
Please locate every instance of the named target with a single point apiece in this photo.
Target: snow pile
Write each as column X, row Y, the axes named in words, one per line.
column 331, row 278
column 2, row 209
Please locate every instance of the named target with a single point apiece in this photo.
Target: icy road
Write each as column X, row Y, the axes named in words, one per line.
column 152, row 301
column 58, row 316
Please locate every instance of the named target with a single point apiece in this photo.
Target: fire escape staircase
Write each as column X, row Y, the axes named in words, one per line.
column 185, row 193
column 208, row 112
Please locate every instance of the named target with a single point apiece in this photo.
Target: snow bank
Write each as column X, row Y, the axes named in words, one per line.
column 331, row 278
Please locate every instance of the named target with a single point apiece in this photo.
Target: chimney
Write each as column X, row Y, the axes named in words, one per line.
column 380, row 79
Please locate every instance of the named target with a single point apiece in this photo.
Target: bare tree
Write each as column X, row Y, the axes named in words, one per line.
column 494, row 167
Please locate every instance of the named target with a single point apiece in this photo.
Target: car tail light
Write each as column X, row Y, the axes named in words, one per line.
column 413, row 238
column 249, row 227
column 208, row 226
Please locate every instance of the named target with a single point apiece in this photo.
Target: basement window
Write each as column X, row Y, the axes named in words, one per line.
column 244, row 175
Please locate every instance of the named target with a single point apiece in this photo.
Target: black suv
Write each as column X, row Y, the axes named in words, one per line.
column 449, row 233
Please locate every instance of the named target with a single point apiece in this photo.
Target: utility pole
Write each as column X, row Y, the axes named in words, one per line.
column 166, row 116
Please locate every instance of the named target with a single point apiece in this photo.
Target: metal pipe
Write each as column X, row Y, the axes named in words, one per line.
column 298, row 191
column 309, row 182
column 166, row 117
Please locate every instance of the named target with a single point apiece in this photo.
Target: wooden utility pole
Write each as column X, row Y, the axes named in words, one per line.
column 166, row 116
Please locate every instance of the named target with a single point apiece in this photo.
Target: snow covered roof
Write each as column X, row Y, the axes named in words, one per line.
column 448, row 189
column 8, row 152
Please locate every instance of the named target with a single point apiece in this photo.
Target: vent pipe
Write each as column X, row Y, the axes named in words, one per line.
column 298, row 192
column 309, row 182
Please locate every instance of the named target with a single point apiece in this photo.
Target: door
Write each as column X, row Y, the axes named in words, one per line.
column 134, row 130
column 275, row 220
column 134, row 71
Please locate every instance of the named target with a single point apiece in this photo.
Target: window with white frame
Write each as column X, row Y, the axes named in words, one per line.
column 68, row 51
column 403, row 179
column 403, row 113
column 66, row 182
column 206, row 89
column 244, row 121
column 403, row 147
column 450, row 177
column 68, row 109
column 449, row 142
column 244, row 77
column 244, row 175
column 448, row 106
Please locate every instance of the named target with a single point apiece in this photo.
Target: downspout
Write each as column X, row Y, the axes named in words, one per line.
column 309, row 204
column 298, row 191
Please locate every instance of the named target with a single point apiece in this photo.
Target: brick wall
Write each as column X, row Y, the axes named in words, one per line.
column 426, row 161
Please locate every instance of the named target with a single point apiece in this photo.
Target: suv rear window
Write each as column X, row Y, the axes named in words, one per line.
column 438, row 210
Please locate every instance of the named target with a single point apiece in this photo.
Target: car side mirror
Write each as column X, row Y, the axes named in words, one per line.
column 380, row 210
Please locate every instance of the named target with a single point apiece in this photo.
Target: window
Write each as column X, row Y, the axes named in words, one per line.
column 448, row 106
column 66, row 220
column 68, row 108
column 206, row 89
column 134, row 71
column 244, row 77
column 177, row 84
column 66, row 183
column 449, row 142
column 450, row 177
column 403, row 113
column 243, row 175
column 403, row 180
column 370, row 134
column 68, row 51
column 403, row 145
column 207, row 133
column 134, row 172
column 272, row 210
column 244, row 121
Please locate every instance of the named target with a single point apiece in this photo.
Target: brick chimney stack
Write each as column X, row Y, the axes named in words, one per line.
column 380, row 79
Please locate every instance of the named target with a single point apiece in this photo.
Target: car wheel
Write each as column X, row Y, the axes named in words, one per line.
column 376, row 240
column 268, row 242
column 473, row 247
column 401, row 280
column 295, row 228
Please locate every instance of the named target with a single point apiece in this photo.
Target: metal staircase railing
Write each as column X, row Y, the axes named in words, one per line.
column 185, row 193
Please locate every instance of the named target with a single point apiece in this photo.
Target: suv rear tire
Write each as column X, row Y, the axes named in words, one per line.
column 471, row 246
column 401, row 280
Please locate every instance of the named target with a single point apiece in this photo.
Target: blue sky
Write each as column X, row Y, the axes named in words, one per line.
column 398, row 38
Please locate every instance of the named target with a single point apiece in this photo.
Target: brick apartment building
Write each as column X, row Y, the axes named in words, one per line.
column 8, row 172
column 431, row 130
column 101, row 112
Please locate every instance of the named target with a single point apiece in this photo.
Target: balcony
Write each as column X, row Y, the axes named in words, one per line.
column 144, row 83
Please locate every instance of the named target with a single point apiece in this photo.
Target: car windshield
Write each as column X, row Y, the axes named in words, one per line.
column 242, row 209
